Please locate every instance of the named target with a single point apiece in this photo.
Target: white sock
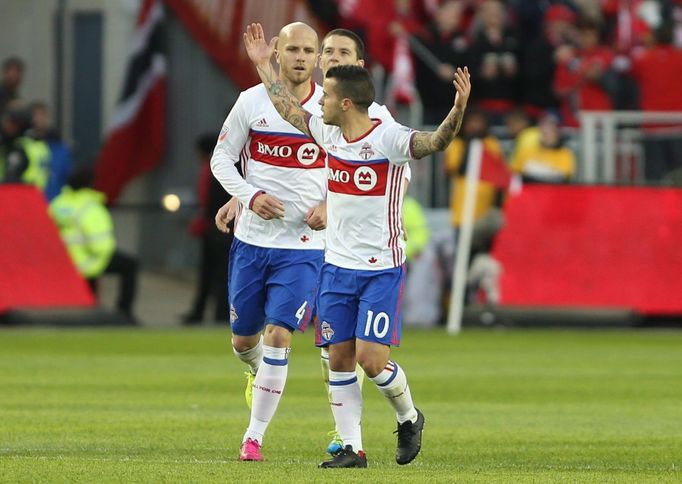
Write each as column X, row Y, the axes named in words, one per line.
column 346, row 403
column 392, row 382
column 253, row 356
column 267, row 391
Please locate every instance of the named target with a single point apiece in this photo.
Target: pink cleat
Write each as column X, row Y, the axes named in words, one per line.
column 250, row 450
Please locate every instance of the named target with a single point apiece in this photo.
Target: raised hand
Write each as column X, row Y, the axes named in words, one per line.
column 462, row 84
column 257, row 48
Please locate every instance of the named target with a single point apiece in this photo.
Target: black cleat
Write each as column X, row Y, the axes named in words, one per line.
column 409, row 439
column 345, row 458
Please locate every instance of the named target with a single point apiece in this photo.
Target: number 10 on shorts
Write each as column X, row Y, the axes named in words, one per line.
column 378, row 325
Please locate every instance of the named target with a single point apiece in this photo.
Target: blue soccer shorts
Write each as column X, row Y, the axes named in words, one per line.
column 272, row 286
column 359, row 304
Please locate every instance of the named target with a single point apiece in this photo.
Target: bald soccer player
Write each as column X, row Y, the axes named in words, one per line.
column 278, row 250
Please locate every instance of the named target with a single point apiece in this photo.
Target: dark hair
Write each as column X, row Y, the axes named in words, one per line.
column 81, row 177
column 205, row 143
column 354, row 83
column 13, row 61
column 359, row 44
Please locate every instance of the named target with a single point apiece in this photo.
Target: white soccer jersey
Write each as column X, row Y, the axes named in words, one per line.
column 365, row 191
column 275, row 158
column 379, row 111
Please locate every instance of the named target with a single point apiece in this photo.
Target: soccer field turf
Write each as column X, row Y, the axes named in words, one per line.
column 135, row 405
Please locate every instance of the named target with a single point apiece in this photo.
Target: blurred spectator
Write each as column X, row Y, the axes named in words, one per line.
column 422, row 291
column 388, row 25
column 530, row 15
column 484, row 270
column 12, row 75
column 417, row 231
column 215, row 245
column 438, row 50
column 656, row 71
column 87, row 229
column 61, row 161
column 22, row 159
column 632, row 23
column 523, row 133
column 590, row 11
column 492, row 186
column 539, row 66
column 582, row 73
column 551, row 161
column 494, row 61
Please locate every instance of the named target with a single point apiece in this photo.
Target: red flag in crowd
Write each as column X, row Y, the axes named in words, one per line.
column 403, row 88
column 494, row 170
column 135, row 139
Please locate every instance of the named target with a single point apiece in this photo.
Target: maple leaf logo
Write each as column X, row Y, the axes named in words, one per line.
column 304, row 238
column 372, row 260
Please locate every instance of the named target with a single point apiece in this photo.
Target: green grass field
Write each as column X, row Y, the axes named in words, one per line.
column 500, row 406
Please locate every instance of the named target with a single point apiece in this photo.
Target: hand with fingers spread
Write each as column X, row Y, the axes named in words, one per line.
column 267, row 207
column 462, row 84
column 225, row 215
column 257, row 48
column 316, row 218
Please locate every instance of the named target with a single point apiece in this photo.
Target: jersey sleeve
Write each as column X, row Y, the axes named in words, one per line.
column 228, row 152
column 407, row 173
column 381, row 112
column 317, row 129
column 397, row 140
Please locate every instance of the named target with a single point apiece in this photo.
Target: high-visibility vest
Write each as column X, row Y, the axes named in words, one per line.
column 38, row 155
column 38, row 170
column 86, row 228
column 416, row 228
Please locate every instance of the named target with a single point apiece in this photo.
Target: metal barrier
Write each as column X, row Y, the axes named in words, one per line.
column 610, row 144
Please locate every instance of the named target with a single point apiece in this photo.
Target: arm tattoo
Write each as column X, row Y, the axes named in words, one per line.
column 427, row 142
column 285, row 103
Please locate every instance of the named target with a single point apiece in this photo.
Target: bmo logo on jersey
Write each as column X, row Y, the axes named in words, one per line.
column 307, row 153
column 276, row 151
column 357, row 178
column 365, row 178
column 286, row 150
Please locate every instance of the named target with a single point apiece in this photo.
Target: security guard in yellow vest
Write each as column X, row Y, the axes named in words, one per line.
column 87, row 229
column 416, row 228
column 22, row 159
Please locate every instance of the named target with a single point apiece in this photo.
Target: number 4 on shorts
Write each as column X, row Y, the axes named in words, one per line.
column 301, row 312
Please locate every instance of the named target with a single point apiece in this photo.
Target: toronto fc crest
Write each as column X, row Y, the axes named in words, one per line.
column 326, row 330
column 366, row 151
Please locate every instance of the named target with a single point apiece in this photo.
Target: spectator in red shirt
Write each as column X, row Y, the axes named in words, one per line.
column 656, row 71
column 580, row 75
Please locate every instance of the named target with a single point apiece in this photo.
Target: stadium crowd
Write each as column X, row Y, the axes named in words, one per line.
column 535, row 65
column 559, row 55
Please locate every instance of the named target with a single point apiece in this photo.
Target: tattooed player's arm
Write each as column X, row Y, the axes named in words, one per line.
column 260, row 52
column 426, row 142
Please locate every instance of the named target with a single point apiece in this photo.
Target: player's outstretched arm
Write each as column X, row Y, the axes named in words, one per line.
column 260, row 52
column 427, row 142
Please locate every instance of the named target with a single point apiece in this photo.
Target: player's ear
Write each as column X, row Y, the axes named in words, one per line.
column 361, row 62
column 346, row 104
column 277, row 55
